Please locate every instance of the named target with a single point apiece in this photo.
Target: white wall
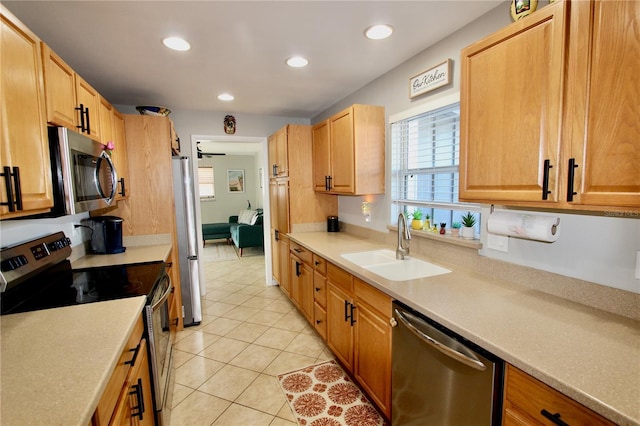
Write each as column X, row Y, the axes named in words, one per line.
column 600, row 247
column 230, row 203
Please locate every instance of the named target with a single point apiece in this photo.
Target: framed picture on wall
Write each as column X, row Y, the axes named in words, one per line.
column 235, row 181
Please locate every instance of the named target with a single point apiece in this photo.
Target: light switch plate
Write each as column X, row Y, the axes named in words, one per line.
column 498, row 242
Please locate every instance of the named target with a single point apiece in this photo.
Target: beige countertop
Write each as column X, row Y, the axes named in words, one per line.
column 56, row 363
column 133, row 254
column 590, row 355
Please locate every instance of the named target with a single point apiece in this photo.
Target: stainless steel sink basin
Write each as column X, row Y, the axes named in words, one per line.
column 384, row 263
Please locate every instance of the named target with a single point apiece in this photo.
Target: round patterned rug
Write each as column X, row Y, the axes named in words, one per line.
column 323, row 395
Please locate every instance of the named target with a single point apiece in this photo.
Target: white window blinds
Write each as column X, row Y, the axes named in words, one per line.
column 206, row 183
column 425, row 161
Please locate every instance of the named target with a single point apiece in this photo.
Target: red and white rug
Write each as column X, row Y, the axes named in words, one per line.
column 323, row 395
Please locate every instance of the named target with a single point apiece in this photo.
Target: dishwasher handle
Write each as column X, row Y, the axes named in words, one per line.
column 451, row 353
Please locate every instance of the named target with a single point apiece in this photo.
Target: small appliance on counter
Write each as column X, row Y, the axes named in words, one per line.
column 106, row 234
column 332, row 224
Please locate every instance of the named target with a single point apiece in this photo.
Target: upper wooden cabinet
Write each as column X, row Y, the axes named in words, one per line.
column 279, row 153
column 120, row 154
column 71, row 101
column 549, row 110
column 24, row 144
column 349, row 152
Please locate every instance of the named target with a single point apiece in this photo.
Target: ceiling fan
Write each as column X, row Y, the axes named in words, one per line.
column 206, row 154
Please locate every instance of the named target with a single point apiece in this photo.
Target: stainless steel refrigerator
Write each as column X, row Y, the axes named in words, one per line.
column 187, row 240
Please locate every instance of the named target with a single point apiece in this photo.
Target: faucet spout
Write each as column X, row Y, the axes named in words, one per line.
column 403, row 238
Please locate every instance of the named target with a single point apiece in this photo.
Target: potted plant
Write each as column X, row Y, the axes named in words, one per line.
column 417, row 223
column 455, row 229
column 468, row 231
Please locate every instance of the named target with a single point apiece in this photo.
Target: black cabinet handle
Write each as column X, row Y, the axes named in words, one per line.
column 326, row 183
column 545, row 179
column 276, row 235
column 122, row 189
column 81, row 126
column 316, row 262
column 317, row 288
column 297, row 269
column 571, row 175
column 86, row 111
column 135, row 351
column 298, row 250
column 330, row 183
column 348, row 312
column 138, row 410
column 318, row 321
column 275, row 170
column 14, row 190
column 351, row 316
column 554, row 418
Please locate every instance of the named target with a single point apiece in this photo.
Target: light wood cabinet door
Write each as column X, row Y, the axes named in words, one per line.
column 283, row 259
column 342, row 153
column 283, row 205
column 339, row 325
column 120, row 154
column 321, row 154
column 373, row 343
column 301, row 285
column 106, row 120
column 89, row 99
column 527, row 401
column 60, row 90
column 278, row 153
column 24, row 144
column 605, row 106
column 511, row 97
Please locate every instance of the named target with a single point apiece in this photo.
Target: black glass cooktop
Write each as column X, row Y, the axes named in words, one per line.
column 60, row 286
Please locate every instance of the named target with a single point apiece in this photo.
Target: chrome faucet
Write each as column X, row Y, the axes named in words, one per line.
column 403, row 238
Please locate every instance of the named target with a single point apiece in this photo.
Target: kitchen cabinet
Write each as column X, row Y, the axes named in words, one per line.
column 71, row 101
column 127, row 398
column 307, row 206
column 320, row 295
column 150, row 208
column 283, row 262
column 528, row 401
column 24, row 144
column 301, row 279
column 119, row 155
column 278, row 152
column 373, row 343
column 340, row 311
column 349, row 152
column 566, row 140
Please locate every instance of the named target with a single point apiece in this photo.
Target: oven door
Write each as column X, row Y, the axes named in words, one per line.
column 161, row 348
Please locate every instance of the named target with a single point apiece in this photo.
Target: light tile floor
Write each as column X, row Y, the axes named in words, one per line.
column 226, row 367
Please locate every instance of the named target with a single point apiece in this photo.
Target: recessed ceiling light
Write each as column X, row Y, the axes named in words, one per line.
column 225, row 97
column 378, row 32
column 297, row 62
column 176, row 43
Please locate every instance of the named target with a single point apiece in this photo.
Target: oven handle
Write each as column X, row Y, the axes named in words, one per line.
column 164, row 297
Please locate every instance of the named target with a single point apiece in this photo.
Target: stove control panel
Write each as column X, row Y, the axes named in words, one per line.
column 20, row 261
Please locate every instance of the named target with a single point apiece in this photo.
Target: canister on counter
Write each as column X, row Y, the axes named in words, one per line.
column 333, row 224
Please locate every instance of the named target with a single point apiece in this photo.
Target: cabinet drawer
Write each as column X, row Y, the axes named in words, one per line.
column 112, row 392
column 319, row 289
column 319, row 264
column 304, row 254
column 372, row 296
column 340, row 278
column 532, row 398
column 320, row 320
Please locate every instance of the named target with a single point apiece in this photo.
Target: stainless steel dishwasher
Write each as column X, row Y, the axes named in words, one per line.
column 440, row 378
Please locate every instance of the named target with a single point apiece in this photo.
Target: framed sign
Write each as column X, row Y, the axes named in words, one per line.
column 431, row 79
column 235, row 181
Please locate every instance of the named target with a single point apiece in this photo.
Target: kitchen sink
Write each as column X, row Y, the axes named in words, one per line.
column 384, row 263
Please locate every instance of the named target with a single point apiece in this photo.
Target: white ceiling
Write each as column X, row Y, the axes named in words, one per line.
column 239, row 47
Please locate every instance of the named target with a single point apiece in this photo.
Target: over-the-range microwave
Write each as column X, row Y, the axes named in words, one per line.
column 84, row 177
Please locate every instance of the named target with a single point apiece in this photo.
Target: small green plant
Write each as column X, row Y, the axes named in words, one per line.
column 468, row 220
column 417, row 215
column 456, row 225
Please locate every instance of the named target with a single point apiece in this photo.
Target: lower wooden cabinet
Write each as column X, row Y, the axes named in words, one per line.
column 128, row 398
column 301, row 285
column 527, row 401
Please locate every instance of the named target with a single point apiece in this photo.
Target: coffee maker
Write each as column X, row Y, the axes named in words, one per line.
column 106, row 234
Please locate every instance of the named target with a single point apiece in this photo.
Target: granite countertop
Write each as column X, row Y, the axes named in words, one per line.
column 133, row 254
column 56, row 363
column 589, row 355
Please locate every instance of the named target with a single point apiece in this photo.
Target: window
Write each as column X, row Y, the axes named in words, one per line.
column 206, row 183
column 425, row 161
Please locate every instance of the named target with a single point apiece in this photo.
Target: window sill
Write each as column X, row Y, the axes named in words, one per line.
column 446, row 238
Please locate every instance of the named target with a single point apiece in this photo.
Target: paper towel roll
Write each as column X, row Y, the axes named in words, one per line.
column 527, row 226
